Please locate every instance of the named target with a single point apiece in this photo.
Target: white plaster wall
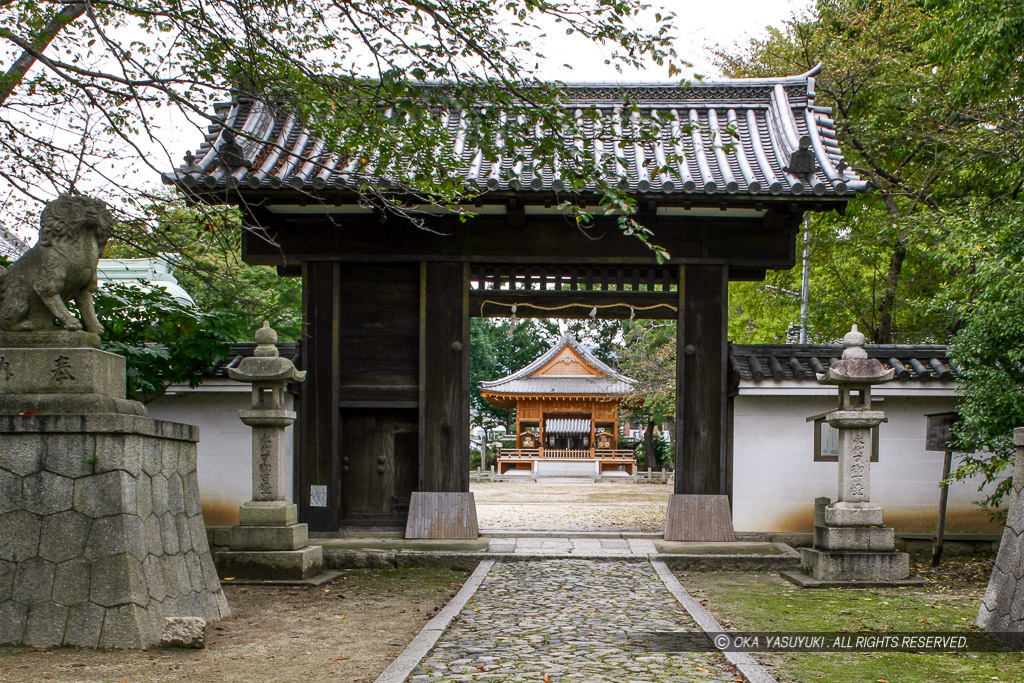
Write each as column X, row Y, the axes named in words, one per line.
column 225, row 444
column 775, row 477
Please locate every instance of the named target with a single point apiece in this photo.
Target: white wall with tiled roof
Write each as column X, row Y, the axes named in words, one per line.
column 776, row 479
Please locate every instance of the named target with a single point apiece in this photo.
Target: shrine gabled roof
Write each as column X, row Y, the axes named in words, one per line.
column 760, row 362
column 607, row 382
column 734, row 137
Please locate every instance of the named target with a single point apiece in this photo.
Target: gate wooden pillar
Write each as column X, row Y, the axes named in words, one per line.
column 700, row 510
column 444, row 376
column 317, row 472
column 442, row 506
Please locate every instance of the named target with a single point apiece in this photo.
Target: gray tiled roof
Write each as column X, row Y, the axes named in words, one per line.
column 520, row 382
column 770, row 118
column 562, row 386
column 239, row 350
column 758, row 362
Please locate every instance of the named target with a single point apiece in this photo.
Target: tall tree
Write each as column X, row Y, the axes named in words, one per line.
column 921, row 148
column 926, row 94
column 210, row 268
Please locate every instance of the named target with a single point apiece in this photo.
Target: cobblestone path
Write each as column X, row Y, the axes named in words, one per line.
column 572, row 620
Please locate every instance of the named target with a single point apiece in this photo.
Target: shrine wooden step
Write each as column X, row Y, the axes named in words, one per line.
column 442, row 515
column 698, row 518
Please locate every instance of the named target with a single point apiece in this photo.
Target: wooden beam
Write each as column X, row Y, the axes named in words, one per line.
column 318, row 424
column 444, row 377
column 701, row 364
column 754, row 243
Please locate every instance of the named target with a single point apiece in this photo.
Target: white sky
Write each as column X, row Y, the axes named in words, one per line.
column 700, row 24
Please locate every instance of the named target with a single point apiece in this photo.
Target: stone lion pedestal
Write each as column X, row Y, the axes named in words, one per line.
column 101, row 533
column 1002, row 607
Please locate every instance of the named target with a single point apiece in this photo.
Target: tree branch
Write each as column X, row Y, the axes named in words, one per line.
column 39, row 42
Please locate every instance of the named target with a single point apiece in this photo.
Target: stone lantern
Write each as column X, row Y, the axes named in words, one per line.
column 268, row 543
column 852, row 547
column 268, row 373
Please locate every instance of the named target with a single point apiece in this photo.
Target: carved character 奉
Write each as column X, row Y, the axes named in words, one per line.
column 60, row 267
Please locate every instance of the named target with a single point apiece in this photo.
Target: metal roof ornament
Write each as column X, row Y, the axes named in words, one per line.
column 230, row 153
column 802, row 160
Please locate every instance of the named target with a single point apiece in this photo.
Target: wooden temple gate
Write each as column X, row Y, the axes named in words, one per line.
column 385, row 407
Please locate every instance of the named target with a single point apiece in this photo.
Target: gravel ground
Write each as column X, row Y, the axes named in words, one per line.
column 570, row 505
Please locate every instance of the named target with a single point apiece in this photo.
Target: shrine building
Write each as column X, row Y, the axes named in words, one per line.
column 567, row 415
column 384, row 412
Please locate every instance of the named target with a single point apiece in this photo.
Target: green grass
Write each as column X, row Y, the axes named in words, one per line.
column 763, row 602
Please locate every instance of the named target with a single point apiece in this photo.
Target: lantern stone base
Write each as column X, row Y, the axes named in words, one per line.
column 269, row 546
column 286, row 537
column 844, row 565
column 852, row 556
column 872, row 538
column 279, row 565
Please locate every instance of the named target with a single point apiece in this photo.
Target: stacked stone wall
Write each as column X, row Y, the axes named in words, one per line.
column 101, row 531
column 1002, row 607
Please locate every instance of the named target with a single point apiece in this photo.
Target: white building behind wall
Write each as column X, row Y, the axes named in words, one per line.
column 777, row 473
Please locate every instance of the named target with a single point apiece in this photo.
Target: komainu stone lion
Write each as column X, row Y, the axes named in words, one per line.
column 60, row 267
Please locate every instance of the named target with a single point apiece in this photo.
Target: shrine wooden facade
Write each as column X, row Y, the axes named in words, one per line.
column 385, row 408
column 567, row 415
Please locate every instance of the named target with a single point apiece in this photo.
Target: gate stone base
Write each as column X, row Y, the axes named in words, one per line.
column 450, row 515
column 698, row 518
column 102, row 533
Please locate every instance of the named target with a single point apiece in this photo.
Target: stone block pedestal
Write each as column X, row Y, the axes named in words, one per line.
column 852, row 556
column 101, row 532
column 272, row 565
column 75, row 380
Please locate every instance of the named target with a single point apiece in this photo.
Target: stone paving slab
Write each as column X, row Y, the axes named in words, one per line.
column 573, row 620
column 591, row 547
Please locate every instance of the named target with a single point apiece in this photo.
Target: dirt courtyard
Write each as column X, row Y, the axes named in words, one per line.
column 570, row 505
column 348, row 630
